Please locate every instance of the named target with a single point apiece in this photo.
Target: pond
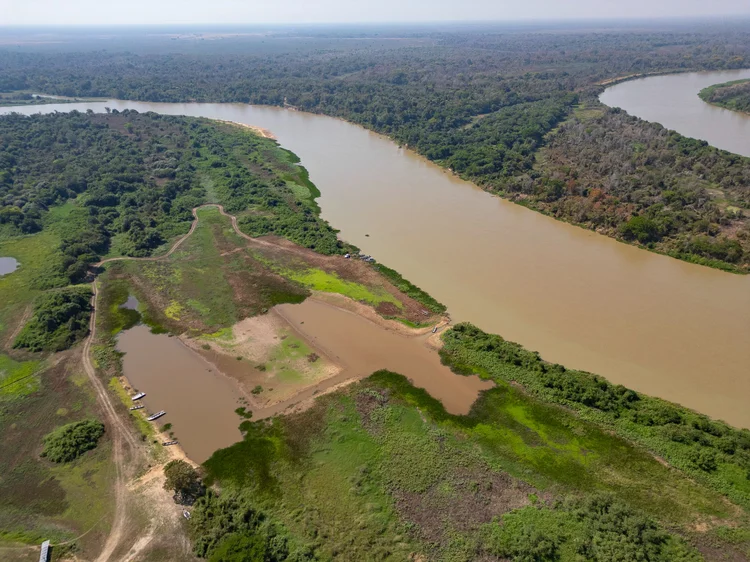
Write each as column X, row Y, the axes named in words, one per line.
column 8, row 265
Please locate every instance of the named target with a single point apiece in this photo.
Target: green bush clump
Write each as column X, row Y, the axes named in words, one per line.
column 61, row 318
column 70, row 441
column 598, row 528
column 229, row 528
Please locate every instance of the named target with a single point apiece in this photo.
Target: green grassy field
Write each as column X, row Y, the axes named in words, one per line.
column 319, row 280
column 41, row 499
column 208, row 284
column 380, row 471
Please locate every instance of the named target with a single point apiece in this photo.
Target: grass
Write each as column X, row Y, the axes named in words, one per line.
column 18, row 379
column 319, row 280
column 366, row 470
column 42, row 500
column 142, row 425
column 18, row 289
column 209, row 283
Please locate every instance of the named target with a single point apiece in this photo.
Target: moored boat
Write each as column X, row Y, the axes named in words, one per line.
column 139, row 396
column 157, row 415
column 139, row 407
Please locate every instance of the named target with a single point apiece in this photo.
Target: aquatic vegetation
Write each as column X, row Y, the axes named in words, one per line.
column 319, row 280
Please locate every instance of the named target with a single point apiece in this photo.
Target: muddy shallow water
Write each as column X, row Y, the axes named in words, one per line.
column 362, row 347
column 199, row 402
column 8, row 265
column 658, row 325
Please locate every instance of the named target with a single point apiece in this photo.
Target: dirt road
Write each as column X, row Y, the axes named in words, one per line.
column 126, row 449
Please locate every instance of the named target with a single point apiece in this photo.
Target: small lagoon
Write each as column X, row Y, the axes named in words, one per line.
column 8, row 265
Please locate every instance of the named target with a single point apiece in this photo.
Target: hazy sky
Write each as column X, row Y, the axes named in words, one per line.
column 28, row 12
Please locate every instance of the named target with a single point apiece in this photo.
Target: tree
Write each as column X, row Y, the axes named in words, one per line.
column 184, row 481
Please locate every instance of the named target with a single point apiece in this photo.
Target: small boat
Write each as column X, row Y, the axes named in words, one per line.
column 139, row 396
column 155, row 416
column 139, row 407
column 168, row 443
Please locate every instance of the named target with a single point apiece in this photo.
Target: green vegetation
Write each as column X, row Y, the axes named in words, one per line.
column 208, row 284
column 733, row 95
column 70, row 441
column 61, row 318
column 362, row 474
column 228, row 528
column 135, row 179
column 320, row 280
column 18, row 379
column 712, row 452
column 182, row 479
column 115, row 293
column 598, row 528
column 483, row 103
column 636, row 181
column 410, row 289
column 262, row 184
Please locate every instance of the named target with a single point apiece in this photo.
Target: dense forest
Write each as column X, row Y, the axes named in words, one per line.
column 478, row 102
column 732, row 95
column 642, row 183
column 136, row 179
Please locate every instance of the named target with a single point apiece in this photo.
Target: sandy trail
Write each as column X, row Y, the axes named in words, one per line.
column 122, row 437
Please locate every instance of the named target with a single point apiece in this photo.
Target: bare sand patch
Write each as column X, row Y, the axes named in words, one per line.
column 268, row 359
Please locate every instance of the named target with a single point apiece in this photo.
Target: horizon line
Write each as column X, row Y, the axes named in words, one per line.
column 590, row 19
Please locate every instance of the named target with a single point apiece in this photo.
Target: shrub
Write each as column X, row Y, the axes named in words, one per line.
column 61, row 318
column 69, row 442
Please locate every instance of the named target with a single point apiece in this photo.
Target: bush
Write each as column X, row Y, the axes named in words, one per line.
column 598, row 528
column 229, row 528
column 642, row 229
column 61, row 318
column 69, row 442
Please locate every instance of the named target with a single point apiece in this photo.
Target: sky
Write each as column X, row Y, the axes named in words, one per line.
column 91, row 12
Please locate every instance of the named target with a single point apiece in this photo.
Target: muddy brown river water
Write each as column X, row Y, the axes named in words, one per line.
column 658, row 325
column 200, row 401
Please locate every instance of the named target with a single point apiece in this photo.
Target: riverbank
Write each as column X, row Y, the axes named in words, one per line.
column 734, row 95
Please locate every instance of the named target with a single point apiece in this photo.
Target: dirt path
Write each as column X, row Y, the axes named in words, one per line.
column 122, row 438
column 21, row 324
column 124, row 444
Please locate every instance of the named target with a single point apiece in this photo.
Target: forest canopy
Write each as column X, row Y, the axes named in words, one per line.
column 482, row 103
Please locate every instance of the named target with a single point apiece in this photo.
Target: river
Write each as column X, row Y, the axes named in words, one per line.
column 655, row 324
column 672, row 100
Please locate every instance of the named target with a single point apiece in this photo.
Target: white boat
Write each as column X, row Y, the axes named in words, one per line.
column 139, row 407
column 155, row 416
column 139, row 396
